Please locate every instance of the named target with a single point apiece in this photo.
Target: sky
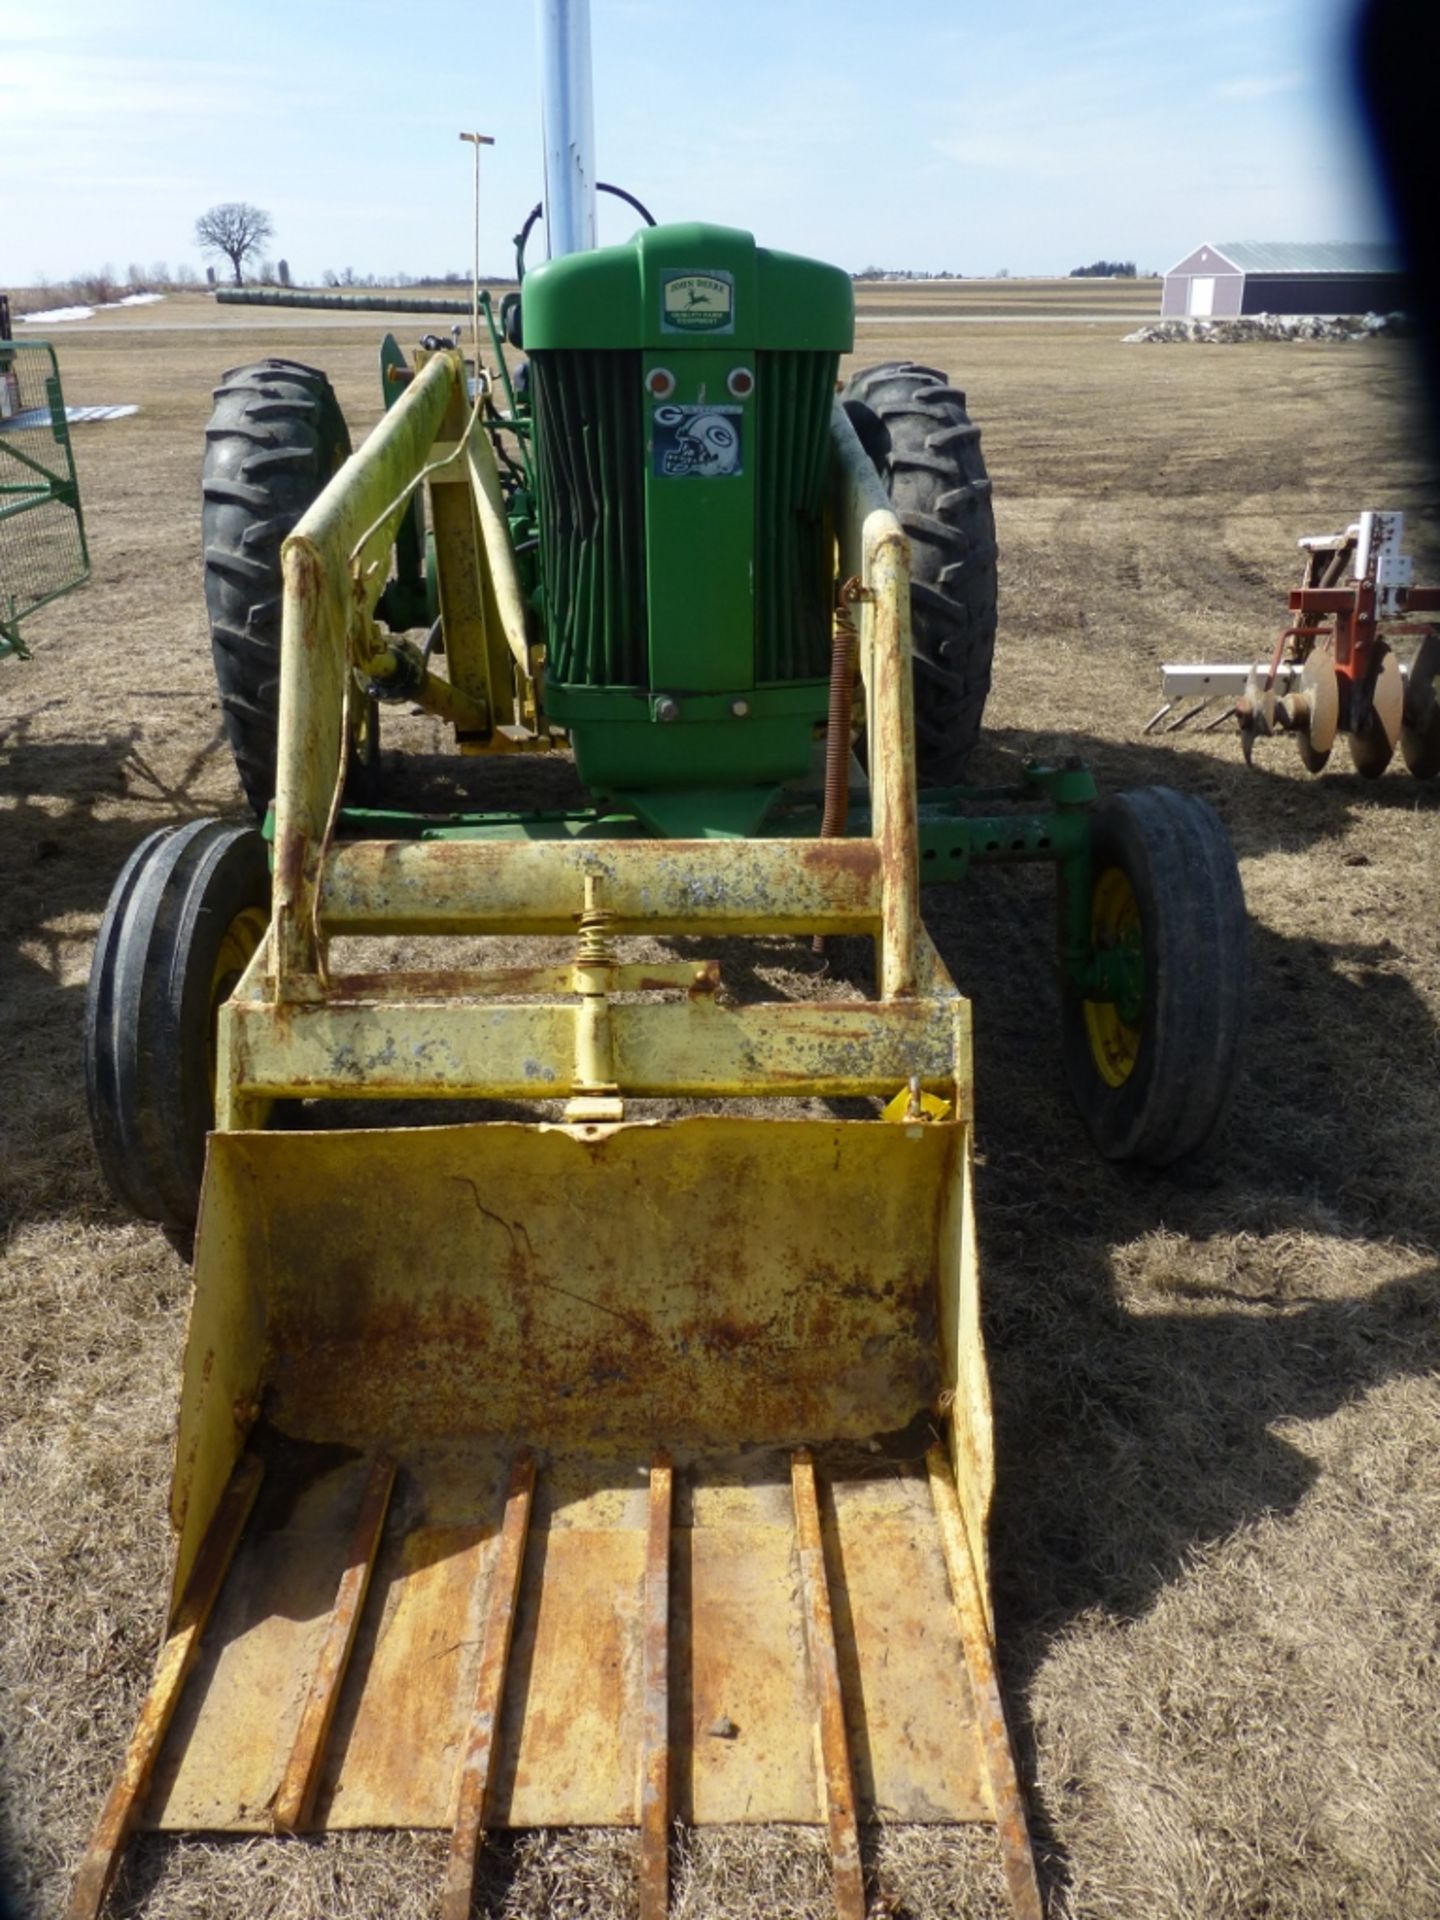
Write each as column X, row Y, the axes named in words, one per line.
column 1029, row 136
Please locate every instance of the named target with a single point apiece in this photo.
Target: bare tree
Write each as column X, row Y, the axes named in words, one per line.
column 235, row 229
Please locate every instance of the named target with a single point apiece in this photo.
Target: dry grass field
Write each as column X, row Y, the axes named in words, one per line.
column 1217, row 1537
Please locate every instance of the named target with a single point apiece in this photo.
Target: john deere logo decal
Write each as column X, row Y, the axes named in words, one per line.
column 697, row 303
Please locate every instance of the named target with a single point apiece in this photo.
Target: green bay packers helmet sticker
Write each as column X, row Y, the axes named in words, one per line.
column 697, row 442
column 697, row 302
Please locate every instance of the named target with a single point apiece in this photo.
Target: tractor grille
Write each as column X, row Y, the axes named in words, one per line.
column 591, row 474
column 793, row 566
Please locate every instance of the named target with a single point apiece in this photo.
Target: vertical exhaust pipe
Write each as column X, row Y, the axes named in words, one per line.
column 567, row 106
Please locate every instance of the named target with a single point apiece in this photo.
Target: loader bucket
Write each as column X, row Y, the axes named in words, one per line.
column 692, row 1410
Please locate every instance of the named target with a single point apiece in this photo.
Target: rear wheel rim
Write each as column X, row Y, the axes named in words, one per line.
column 1114, row 922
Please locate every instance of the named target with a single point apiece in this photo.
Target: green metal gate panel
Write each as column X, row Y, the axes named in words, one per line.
column 42, row 534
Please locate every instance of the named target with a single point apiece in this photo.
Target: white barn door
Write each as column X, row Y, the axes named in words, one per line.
column 1202, row 296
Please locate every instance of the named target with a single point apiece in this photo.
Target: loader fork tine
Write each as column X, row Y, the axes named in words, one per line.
column 655, row 1727
column 1001, row 1783
column 296, row 1798
column 477, row 1769
column 835, row 1776
column 177, row 1657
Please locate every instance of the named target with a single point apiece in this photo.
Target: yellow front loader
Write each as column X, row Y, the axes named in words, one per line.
column 517, row 1457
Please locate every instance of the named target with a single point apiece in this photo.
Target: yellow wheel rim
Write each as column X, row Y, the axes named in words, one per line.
column 236, row 951
column 1114, row 921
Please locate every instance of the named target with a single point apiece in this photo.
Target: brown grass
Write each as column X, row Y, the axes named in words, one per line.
column 1217, row 1413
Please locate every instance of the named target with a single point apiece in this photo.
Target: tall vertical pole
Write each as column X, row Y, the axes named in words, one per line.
column 478, row 140
column 567, row 106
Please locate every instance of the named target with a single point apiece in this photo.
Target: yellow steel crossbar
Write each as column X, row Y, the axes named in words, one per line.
column 646, row 886
column 686, row 1048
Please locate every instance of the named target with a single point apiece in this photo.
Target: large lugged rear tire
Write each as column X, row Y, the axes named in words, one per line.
column 190, row 908
column 935, row 476
column 1163, row 877
column 275, row 438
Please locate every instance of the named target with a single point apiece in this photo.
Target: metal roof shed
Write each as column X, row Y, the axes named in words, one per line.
column 1228, row 277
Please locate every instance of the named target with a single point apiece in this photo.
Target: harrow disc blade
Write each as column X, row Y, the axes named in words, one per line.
column 1420, row 728
column 1373, row 743
column 1257, row 713
column 1319, row 688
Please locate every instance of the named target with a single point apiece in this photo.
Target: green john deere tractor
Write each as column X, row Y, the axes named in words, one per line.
column 618, row 1451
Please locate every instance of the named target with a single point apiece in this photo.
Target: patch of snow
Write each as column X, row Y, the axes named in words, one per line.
column 87, row 313
column 58, row 313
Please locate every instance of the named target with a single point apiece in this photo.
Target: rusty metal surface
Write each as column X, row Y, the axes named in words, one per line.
column 744, row 1722
column 480, row 983
column 177, row 1657
column 295, row 1800
column 917, row 1757
column 400, row 1730
column 837, row 1783
column 472, row 1786
column 232, row 1738
column 647, row 886
column 580, row 1711
column 543, row 1281
column 572, row 1727
column 1007, row 1805
column 691, row 1048
column 655, row 1700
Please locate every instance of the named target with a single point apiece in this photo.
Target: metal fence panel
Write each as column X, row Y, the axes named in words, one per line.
column 42, row 533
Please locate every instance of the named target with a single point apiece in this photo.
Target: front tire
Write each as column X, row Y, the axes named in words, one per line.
column 189, row 910
column 1164, row 882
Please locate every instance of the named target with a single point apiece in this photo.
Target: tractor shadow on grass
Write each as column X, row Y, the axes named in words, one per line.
column 1150, row 1333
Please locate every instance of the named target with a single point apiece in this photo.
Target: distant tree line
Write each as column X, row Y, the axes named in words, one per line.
column 1105, row 270
column 905, row 273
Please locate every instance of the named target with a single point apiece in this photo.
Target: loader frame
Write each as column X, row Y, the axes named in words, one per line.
column 596, row 1033
column 292, row 1027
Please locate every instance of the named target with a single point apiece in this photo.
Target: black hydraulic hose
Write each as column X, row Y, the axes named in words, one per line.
column 537, row 212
